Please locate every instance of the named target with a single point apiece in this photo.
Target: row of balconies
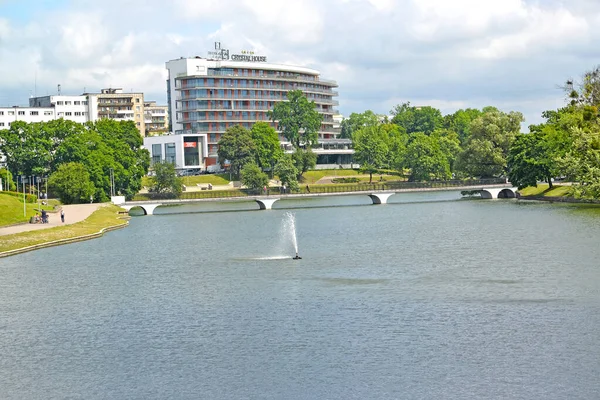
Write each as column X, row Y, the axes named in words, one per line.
column 233, row 77
column 258, row 87
column 273, row 75
column 273, row 98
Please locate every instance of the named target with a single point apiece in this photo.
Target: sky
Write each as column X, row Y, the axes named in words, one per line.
column 450, row 54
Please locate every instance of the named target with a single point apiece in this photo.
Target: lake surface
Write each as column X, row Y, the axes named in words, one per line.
column 430, row 297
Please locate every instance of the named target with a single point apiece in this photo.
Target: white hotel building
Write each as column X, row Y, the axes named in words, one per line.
column 206, row 96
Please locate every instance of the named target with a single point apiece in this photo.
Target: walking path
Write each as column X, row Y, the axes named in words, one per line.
column 73, row 213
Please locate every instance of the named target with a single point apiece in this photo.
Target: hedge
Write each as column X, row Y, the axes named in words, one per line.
column 29, row 198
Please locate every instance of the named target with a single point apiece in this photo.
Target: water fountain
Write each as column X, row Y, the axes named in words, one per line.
column 288, row 226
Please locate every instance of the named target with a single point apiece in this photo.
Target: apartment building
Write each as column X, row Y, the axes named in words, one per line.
column 8, row 115
column 73, row 108
column 156, row 118
column 119, row 105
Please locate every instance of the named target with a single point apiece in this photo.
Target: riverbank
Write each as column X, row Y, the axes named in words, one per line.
column 558, row 193
column 104, row 219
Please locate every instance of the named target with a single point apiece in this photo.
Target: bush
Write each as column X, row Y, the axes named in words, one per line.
column 346, row 180
column 72, row 184
column 29, row 198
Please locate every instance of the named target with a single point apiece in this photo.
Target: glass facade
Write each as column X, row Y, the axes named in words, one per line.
column 156, row 153
column 170, row 153
column 191, row 152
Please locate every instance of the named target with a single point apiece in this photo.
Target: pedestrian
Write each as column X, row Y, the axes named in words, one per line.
column 307, row 189
column 62, row 215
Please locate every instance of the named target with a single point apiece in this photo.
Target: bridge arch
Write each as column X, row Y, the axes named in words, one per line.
column 499, row 193
column 148, row 209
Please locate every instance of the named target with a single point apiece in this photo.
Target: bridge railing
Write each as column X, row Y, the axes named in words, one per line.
column 330, row 188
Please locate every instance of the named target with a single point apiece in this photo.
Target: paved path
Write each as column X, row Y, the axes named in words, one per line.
column 73, row 213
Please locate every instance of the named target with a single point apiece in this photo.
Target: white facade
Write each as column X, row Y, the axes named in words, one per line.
column 73, row 108
column 186, row 151
column 8, row 115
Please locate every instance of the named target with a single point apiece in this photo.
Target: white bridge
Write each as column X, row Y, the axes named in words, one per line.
column 266, row 202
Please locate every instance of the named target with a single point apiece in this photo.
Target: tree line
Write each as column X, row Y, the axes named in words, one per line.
column 78, row 159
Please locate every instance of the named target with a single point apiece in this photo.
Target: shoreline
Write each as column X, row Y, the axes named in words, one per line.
column 99, row 223
column 559, row 199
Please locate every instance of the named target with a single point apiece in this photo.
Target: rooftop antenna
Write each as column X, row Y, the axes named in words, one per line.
column 35, row 84
column 59, row 89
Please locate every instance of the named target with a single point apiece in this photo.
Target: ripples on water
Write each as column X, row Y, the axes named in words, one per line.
column 412, row 300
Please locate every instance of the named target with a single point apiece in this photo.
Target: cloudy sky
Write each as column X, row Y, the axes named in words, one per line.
column 450, row 54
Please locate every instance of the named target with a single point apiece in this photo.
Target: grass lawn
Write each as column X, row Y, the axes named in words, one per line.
column 11, row 209
column 104, row 217
column 543, row 190
column 214, row 179
column 314, row 176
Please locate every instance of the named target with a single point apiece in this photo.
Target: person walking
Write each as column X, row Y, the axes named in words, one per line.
column 62, row 215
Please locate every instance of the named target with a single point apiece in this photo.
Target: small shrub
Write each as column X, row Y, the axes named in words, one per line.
column 29, row 198
column 346, row 180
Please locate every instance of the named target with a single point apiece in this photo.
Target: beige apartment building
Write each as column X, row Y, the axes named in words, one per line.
column 156, row 118
column 116, row 104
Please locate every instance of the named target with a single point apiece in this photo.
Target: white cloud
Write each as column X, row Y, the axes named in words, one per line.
column 448, row 54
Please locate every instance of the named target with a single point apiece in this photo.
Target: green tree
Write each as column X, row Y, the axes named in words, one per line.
column 426, row 159
column 528, row 161
column 287, row 172
column 486, row 150
column 304, row 159
column 71, row 182
column 357, row 121
column 165, row 181
column 449, row 144
column 253, row 177
column 371, row 149
column 460, row 122
column 424, row 119
column 237, row 147
column 582, row 162
column 297, row 119
column 8, row 181
column 267, row 146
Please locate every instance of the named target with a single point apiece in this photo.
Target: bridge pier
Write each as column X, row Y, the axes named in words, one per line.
column 496, row 193
column 380, row 198
column 266, row 204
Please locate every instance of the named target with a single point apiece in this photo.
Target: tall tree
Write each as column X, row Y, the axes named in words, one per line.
column 487, row 148
column 237, row 147
column 287, row 172
column 357, row 121
column 304, row 159
column 297, row 119
column 529, row 161
column 424, row 119
column 426, row 159
column 371, row 149
column 71, row 182
column 460, row 122
column 266, row 145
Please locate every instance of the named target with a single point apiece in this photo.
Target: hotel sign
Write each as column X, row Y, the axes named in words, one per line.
column 246, row 56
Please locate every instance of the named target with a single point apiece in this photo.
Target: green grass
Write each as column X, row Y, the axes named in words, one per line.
column 543, row 190
column 11, row 210
column 214, row 179
column 314, row 176
column 106, row 216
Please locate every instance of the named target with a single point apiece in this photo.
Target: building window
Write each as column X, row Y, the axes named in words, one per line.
column 77, row 102
column 67, row 103
column 21, row 112
column 61, row 114
column 85, row 103
column 11, row 113
column 191, row 151
column 47, row 112
column 78, row 113
column 137, row 100
column 156, row 153
column 68, row 113
column 137, row 108
column 1, row 123
column 1, row 112
column 170, row 153
column 33, row 113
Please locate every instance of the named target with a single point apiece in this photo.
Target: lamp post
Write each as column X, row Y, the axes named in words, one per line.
column 24, row 202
